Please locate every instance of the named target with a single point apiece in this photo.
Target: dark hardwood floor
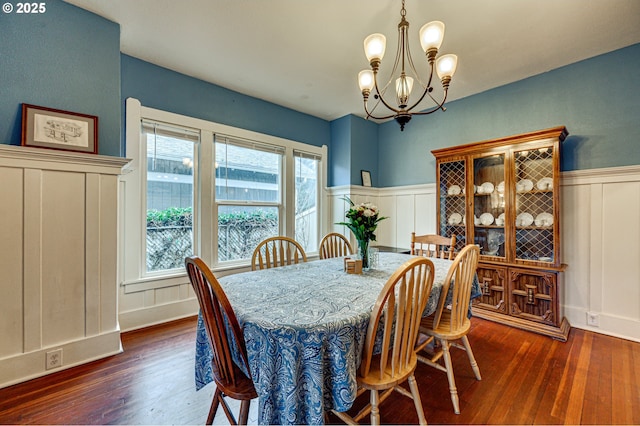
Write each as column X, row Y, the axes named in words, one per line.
column 526, row 379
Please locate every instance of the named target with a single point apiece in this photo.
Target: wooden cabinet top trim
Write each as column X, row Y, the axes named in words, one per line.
column 559, row 132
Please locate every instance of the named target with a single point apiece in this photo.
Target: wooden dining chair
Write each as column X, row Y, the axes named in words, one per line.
column 334, row 245
column 432, row 245
column 277, row 251
column 397, row 315
column 450, row 322
column 216, row 313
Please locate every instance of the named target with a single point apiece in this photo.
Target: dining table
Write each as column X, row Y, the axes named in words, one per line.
column 304, row 327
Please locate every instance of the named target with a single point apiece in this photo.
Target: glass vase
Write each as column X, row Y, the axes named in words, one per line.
column 363, row 253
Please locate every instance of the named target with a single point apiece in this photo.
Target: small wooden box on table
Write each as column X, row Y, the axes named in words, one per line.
column 352, row 266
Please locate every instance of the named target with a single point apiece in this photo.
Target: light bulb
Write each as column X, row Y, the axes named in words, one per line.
column 374, row 46
column 404, row 85
column 365, row 80
column 446, row 66
column 431, row 35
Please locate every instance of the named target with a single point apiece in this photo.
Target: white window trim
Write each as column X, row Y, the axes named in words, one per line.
column 131, row 256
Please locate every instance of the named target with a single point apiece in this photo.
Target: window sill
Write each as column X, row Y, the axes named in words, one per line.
column 177, row 279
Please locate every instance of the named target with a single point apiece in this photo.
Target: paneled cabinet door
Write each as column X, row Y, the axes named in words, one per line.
column 536, row 202
column 452, row 205
column 493, row 289
column 489, row 205
column 533, row 295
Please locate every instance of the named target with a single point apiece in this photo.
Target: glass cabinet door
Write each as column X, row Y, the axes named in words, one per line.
column 534, row 205
column 489, row 205
column 453, row 201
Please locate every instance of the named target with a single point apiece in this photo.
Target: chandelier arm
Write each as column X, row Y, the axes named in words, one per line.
column 372, row 109
column 428, row 89
column 415, row 71
column 384, row 89
column 431, row 111
column 380, row 98
column 439, row 105
column 370, row 114
column 444, row 98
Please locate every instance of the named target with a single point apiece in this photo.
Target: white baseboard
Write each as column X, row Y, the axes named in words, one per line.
column 624, row 328
column 27, row 366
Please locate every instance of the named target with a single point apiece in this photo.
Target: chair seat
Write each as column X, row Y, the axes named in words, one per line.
column 443, row 331
column 243, row 387
column 374, row 381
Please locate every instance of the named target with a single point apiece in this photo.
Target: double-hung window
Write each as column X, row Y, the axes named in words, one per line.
column 307, row 178
column 169, row 194
column 248, row 197
column 197, row 187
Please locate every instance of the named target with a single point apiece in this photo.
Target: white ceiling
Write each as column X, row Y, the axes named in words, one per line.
column 305, row 55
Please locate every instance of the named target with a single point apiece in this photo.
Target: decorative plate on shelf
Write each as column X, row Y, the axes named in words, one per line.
column 524, row 219
column 455, row 219
column 500, row 219
column 500, row 188
column 454, row 190
column 485, row 188
column 544, row 219
column 486, row 219
column 525, row 185
column 545, row 184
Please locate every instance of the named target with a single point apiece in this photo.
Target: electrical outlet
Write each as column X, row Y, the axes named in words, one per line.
column 54, row 359
column 593, row 319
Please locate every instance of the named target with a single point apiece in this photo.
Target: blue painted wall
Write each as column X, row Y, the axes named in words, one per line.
column 340, row 152
column 597, row 99
column 364, row 150
column 69, row 59
column 354, row 147
column 65, row 58
column 167, row 90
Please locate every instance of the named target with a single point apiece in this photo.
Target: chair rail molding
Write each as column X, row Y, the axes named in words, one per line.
column 57, row 260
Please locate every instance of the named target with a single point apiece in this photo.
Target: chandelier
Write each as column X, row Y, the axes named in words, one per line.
column 431, row 36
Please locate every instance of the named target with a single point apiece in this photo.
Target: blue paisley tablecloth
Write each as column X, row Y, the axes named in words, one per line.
column 304, row 327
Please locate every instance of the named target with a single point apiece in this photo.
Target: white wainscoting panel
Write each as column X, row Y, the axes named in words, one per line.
column 600, row 235
column 58, row 256
column 11, row 242
column 407, row 208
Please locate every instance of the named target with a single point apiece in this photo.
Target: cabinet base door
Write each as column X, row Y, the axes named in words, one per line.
column 531, row 298
column 493, row 289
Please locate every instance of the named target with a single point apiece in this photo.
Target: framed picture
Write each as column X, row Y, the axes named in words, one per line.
column 56, row 129
column 366, row 177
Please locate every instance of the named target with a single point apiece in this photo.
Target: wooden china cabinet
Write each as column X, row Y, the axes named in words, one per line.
column 503, row 195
